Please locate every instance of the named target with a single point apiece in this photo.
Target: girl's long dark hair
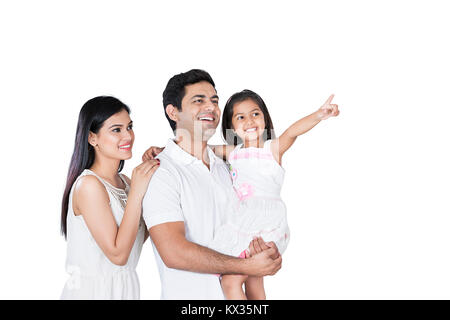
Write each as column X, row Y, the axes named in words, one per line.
column 91, row 118
column 227, row 125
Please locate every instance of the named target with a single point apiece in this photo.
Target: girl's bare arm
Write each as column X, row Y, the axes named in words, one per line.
column 287, row 139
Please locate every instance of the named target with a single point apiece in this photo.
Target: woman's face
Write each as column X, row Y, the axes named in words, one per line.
column 248, row 120
column 115, row 139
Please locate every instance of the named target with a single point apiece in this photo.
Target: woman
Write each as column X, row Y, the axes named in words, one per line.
column 101, row 208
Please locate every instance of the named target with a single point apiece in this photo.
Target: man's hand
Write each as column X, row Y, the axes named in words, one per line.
column 151, row 153
column 262, row 264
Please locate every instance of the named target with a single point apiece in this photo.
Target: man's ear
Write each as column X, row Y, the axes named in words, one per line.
column 92, row 139
column 172, row 112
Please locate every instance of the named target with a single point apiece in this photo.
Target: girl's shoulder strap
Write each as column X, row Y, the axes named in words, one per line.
column 237, row 148
column 232, row 156
column 267, row 144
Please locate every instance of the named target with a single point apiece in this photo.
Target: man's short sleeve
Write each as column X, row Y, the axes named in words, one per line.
column 162, row 203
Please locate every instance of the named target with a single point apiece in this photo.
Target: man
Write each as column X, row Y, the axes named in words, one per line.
column 189, row 195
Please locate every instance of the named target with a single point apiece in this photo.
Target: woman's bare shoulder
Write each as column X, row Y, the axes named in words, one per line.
column 87, row 189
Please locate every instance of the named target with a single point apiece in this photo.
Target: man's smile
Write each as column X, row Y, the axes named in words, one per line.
column 207, row 117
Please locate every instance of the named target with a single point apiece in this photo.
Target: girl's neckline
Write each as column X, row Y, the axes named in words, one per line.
column 109, row 184
column 252, row 147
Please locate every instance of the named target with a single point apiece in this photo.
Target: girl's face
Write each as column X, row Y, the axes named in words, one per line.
column 248, row 120
column 115, row 139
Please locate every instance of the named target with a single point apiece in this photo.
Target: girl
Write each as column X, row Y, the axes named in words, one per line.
column 101, row 208
column 255, row 155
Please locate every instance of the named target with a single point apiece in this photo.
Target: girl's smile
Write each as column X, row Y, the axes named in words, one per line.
column 251, row 130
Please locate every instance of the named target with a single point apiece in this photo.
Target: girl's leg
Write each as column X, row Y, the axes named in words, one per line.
column 232, row 286
column 254, row 288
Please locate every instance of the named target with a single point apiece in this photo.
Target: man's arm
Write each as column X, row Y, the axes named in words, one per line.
column 179, row 253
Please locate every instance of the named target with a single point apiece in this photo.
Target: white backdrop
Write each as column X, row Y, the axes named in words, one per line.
column 367, row 192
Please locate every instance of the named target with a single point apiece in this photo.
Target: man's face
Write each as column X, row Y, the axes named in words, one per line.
column 200, row 113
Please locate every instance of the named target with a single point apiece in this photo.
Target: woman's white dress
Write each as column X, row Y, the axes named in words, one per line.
column 92, row 275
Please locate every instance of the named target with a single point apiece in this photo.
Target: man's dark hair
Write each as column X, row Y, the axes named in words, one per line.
column 175, row 89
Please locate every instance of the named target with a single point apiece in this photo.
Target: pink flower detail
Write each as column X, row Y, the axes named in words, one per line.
column 245, row 191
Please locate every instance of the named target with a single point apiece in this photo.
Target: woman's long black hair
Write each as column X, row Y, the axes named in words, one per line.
column 91, row 118
column 227, row 125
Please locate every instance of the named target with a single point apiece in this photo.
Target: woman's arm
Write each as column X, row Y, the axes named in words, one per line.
column 146, row 235
column 92, row 201
column 287, row 139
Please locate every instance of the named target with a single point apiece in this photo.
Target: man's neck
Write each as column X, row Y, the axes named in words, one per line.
column 195, row 147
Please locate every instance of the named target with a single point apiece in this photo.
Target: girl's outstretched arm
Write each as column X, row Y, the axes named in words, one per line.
column 287, row 139
column 222, row 150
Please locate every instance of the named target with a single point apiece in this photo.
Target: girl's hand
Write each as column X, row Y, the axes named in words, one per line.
column 258, row 245
column 328, row 109
column 141, row 176
column 262, row 264
column 151, row 153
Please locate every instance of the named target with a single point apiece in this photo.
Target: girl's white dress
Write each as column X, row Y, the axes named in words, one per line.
column 259, row 211
column 92, row 275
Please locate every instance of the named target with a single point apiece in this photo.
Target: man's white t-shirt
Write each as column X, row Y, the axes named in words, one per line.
column 183, row 189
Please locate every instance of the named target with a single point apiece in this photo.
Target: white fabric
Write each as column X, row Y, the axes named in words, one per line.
column 183, row 189
column 92, row 275
column 257, row 179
